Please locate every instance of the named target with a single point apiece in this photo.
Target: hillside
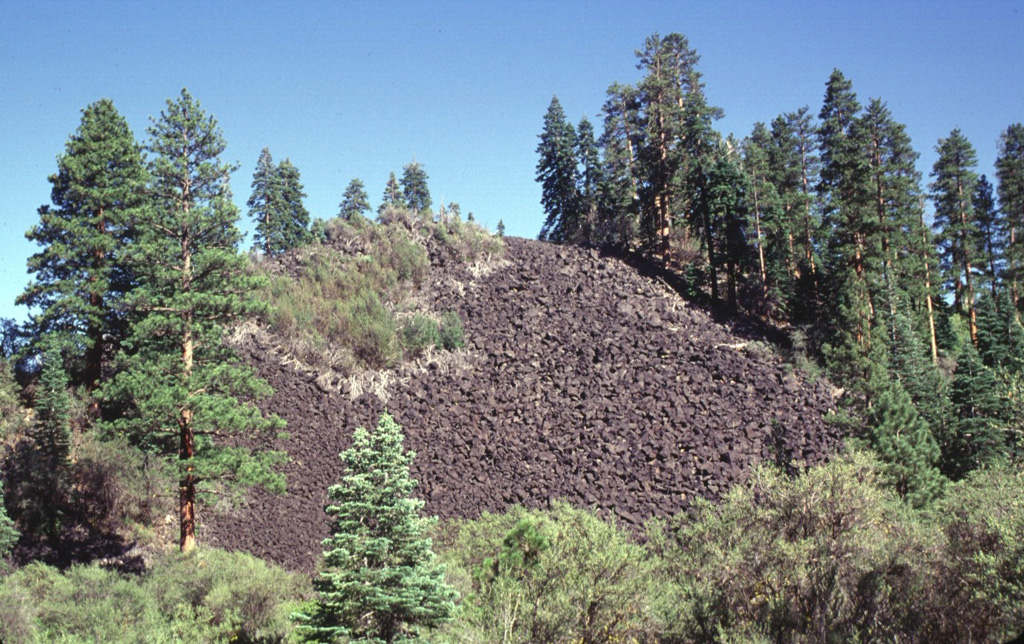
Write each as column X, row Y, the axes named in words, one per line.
column 582, row 379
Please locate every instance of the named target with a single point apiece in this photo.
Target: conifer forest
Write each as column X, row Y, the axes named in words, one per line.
column 758, row 388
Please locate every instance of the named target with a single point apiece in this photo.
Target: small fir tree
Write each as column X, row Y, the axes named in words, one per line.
column 392, row 195
column 559, row 177
column 380, row 582
column 976, row 433
column 354, row 202
column 282, row 221
column 906, row 446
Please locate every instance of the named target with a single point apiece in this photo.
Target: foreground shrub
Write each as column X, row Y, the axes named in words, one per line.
column 980, row 577
column 563, row 575
column 206, row 596
column 828, row 556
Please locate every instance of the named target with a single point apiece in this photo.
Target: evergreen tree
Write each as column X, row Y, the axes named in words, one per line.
column 975, row 438
column 293, row 230
column 264, row 203
column 619, row 142
column 282, row 221
column 392, row 195
column 958, row 234
column 1010, row 172
column 51, row 435
column 1000, row 334
column 591, row 180
column 849, row 227
column 906, row 446
column 727, row 207
column 80, row 274
column 183, row 392
column 414, row 188
column 558, row 175
column 501, row 228
column 990, row 234
column 794, row 167
column 380, row 582
column 771, row 233
column 354, row 202
column 8, row 534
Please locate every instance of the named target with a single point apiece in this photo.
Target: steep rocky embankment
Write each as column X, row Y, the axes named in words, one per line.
column 581, row 380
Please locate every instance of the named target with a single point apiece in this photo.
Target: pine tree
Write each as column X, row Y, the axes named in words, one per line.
column 80, row 274
column 414, row 188
column 619, row 143
column 906, row 446
column 958, row 234
column 183, row 392
column 771, row 234
column 1010, row 172
column 293, row 230
column 282, row 221
column 990, row 225
column 380, row 582
column 265, row 207
column 558, row 175
column 354, row 202
column 975, row 438
column 591, row 180
column 727, row 207
column 8, row 534
column 392, row 198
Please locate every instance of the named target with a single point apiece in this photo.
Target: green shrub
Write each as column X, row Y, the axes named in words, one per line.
column 980, row 578
column 828, row 556
column 452, row 335
column 371, row 330
column 206, row 596
column 563, row 575
column 419, row 334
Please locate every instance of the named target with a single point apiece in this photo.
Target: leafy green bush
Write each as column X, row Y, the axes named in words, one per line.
column 828, row 556
column 563, row 575
column 980, row 576
column 206, row 596
column 419, row 334
column 452, row 335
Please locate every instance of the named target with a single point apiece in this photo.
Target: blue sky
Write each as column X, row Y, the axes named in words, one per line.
column 359, row 89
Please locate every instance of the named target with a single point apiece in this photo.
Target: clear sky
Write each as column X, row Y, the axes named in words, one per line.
column 359, row 89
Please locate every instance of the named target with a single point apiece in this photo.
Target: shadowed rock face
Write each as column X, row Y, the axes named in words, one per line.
column 581, row 380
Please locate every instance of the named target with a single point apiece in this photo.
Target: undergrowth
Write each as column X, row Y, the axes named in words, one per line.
column 350, row 304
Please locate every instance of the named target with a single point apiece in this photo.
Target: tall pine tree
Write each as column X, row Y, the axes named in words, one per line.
column 955, row 223
column 184, row 394
column 80, row 274
column 558, row 175
column 1010, row 172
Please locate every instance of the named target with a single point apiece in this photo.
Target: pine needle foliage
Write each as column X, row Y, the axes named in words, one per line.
column 380, row 582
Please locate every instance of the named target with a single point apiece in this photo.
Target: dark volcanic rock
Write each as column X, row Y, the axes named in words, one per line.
column 581, row 380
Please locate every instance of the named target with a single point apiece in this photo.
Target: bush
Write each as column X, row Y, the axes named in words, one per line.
column 563, row 575
column 828, row 556
column 419, row 334
column 206, row 596
column 980, row 578
column 452, row 335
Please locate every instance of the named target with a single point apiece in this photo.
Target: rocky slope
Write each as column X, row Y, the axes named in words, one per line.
column 581, row 380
